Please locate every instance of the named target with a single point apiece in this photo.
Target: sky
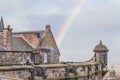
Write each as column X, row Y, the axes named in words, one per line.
column 96, row 20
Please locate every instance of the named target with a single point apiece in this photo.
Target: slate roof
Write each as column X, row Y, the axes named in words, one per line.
column 39, row 34
column 19, row 44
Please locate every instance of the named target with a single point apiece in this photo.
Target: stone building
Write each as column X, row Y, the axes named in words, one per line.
column 34, row 55
column 26, row 42
column 17, row 48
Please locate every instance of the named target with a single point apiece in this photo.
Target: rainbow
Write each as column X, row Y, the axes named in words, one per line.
column 68, row 23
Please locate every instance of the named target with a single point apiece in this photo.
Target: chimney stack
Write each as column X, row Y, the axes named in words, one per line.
column 47, row 26
column 7, row 38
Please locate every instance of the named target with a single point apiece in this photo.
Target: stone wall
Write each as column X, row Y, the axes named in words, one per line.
column 17, row 72
column 55, row 73
column 71, row 71
column 14, row 58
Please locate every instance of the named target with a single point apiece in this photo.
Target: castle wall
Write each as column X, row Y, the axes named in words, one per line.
column 16, row 72
column 70, row 71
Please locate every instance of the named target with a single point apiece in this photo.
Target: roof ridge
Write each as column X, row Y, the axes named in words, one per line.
column 36, row 31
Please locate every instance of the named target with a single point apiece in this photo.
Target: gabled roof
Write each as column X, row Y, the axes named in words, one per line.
column 19, row 44
column 1, row 25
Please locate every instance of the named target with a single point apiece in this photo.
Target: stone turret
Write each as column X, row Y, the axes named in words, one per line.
column 101, row 53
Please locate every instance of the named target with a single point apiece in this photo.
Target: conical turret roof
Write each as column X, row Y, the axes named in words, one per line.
column 100, row 47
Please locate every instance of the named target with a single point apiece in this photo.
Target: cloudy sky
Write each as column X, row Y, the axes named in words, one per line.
column 97, row 20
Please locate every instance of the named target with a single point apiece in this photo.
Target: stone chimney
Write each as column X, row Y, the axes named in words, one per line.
column 7, row 38
column 47, row 26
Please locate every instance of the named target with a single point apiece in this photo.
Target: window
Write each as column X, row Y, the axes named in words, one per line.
column 37, row 60
column 45, row 57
